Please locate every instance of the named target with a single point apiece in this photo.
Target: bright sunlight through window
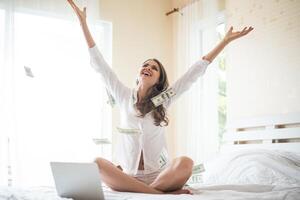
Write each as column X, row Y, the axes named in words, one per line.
column 3, row 148
column 222, row 109
column 60, row 101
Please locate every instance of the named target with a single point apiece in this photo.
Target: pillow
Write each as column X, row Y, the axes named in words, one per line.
column 266, row 167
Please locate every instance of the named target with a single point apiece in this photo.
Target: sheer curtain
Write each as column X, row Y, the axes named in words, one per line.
column 196, row 122
column 52, row 102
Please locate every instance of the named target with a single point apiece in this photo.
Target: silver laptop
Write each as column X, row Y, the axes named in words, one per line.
column 77, row 180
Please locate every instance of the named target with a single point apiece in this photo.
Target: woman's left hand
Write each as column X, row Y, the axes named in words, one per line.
column 230, row 36
column 81, row 14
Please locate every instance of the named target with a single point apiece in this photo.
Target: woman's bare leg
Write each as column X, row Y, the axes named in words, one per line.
column 119, row 181
column 174, row 176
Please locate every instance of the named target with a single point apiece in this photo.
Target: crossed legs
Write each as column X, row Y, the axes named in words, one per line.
column 174, row 176
column 119, row 181
column 170, row 180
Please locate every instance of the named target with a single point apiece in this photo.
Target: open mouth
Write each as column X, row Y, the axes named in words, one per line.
column 146, row 73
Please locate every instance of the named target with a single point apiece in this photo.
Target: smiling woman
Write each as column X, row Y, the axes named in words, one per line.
column 152, row 73
column 145, row 154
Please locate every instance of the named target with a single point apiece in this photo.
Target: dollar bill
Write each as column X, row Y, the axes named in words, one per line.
column 162, row 161
column 129, row 130
column 194, row 179
column 197, row 169
column 100, row 141
column 28, row 72
column 111, row 101
column 197, row 175
column 162, row 97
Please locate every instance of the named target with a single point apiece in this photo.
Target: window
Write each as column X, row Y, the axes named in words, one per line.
column 60, row 102
column 3, row 141
column 207, row 35
column 2, row 15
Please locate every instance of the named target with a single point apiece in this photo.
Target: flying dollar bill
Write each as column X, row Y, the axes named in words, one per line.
column 162, row 97
column 28, row 72
column 129, row 130
column 111, row 101
column 198, row 169
column 195, row 179
column 100, row 141
column 162, row 161
column 197, row 175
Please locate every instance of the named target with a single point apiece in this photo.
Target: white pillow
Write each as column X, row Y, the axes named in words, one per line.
column 266, row 167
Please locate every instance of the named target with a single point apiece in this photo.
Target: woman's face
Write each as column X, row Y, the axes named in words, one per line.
column 149, row 73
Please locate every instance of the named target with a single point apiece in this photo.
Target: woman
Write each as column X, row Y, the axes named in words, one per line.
column 141, row 150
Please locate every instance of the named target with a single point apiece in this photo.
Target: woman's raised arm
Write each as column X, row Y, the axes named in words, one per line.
column 230, row 36
column 81, row 14
column 113, row 85
column 199, row 68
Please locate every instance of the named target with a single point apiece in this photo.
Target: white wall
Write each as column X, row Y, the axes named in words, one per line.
column 264, row 67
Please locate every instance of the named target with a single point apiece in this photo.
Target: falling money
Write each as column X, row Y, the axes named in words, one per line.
column 129, row 130
column 196, row 176
column 198, row 169
column 162, row 97
column 162, row 161
column 195, row 179
column 101, row 141
column 111, row 101
column 28, row 72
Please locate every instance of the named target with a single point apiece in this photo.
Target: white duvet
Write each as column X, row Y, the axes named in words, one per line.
column 264, row 167
column 243, row 175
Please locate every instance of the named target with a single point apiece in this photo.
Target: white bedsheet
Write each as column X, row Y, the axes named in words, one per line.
column 222, row 192
column 38, row 193
column 216, row 192
column 243, row 175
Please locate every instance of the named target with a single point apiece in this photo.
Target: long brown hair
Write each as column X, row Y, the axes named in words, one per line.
column 146, row 105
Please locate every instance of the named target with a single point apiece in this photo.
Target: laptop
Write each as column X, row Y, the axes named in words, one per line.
column 77, row 180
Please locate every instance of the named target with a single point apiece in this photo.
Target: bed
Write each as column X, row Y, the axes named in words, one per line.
column 260, row 159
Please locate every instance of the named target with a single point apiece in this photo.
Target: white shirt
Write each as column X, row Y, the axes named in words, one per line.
column 148, row 138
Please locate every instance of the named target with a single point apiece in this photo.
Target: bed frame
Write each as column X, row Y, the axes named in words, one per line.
column 280, row 132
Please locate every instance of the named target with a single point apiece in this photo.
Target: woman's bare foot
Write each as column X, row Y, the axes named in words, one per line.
column 180, row 191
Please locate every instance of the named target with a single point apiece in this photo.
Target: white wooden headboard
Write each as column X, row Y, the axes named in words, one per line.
column 280, row 132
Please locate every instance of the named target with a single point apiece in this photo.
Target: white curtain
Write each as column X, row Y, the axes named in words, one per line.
column 196, row 121
column 53, row 115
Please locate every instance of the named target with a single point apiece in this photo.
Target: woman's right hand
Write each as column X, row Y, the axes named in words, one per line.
column 81, row 14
